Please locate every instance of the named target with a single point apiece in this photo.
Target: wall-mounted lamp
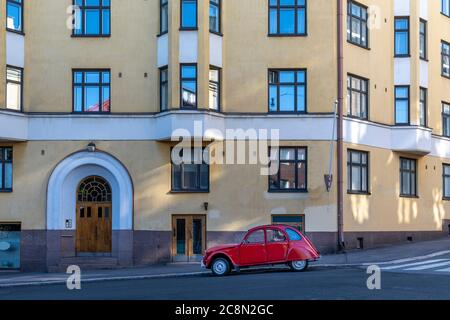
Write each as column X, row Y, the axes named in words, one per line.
column 91, row 147
column 205, row 205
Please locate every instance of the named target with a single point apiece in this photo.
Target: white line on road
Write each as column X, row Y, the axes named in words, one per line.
column 444, row 270
column 431, row 255
column 429, row 266
column 413, row 264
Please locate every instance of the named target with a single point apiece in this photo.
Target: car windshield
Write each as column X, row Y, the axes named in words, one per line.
column 293, row 235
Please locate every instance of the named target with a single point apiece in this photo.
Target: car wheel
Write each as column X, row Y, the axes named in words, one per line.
column 220, row 267
column 299, row 265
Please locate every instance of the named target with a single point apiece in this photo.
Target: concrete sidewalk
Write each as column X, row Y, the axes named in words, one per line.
column 407, row 251
column 380, row 255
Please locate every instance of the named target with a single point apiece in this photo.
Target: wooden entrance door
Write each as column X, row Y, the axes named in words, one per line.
column 94, row 227
column 188, row 237
column 94, row 216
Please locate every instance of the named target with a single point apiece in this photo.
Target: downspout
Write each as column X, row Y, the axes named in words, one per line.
column 340, row 180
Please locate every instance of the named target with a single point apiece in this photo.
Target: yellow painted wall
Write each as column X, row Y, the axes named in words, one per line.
column 2, row 53
column 249, row 53
column 231, row 207
column 383, row 209
column 439, row 90
column 51, row 53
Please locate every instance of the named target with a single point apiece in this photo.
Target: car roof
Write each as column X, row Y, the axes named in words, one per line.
column 279, row 226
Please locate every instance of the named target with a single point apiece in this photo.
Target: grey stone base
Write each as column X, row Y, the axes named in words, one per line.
column 45, row 250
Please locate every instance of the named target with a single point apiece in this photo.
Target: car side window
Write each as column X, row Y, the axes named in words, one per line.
column 293, row 235
column 274, row 236
column 255, row 237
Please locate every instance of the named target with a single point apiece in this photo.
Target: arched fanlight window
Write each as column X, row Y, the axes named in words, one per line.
column 94, row 189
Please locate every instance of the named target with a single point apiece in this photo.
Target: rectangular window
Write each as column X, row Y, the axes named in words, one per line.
column 445, row 59
column 6, row 169
column 401, row 105
column 188, row 86
column 214, row 88
column 357, row 30
column 408, row 177
column 292, row 170
column 14, row 80
column 445, row 4
column 357, row 97
column 14, row 13
column 192, row 174
column 287, row 17
column 189, row 14
column 91, row 91
column 423, row 39
column 423, row 101
column 163, row 89
column 214, row 16
column 357, row 171
column 297, row 221
column 163, row 16
column 92, row 18
column 287, row 91
column 401, row 36
column 446, row 177
column 446, row 119
column 10, row 237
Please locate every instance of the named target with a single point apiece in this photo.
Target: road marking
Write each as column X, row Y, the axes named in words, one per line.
column 413, row 264
column 444, row 270
column 429, row 266
column 431, row 255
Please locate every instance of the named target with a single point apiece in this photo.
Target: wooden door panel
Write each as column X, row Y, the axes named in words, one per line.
column 183, row 241
column 94, row 227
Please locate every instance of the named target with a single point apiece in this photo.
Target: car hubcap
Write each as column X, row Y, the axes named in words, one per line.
column 299, row 264
column 220, row 267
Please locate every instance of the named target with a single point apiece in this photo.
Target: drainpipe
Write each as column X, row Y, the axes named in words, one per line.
column 340, row 180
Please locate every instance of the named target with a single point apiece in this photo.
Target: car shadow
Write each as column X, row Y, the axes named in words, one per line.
column 260, row 270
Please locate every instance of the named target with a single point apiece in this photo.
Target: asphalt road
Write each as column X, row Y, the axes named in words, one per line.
column 316, row 283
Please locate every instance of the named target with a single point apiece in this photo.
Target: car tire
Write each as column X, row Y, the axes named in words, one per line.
column 220, row 267
column 299, row 265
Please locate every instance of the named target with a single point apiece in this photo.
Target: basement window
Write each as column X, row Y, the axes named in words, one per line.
column 10, row 245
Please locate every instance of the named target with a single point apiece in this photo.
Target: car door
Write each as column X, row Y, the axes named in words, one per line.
column 277, row 245
column 252, row 251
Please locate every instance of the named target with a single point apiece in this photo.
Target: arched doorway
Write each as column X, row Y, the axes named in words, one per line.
column 94, row 216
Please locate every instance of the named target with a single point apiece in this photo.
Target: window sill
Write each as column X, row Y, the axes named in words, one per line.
column 446, row 198
column 287, row 191
column 409, row 196
column 188, row 29
column 358, row 118
column 402, row 124
column 90, row 36
column 220, row 34
column 287, row 35
column 162, row 34
column 402, row 56
column 12, row 110
column 16, row 31
column 424, row 59
column 359, row 45
column 188, row 191
column 445, row 76
column 6, row 191
column 447, row 16
column 287, row 112
column 358, row 193
column 91, row 113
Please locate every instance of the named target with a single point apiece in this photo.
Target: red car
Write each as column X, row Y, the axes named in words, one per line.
column 265, row 245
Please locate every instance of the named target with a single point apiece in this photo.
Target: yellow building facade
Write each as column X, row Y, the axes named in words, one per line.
column 95, row 94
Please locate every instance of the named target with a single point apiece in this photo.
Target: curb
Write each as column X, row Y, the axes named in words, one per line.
column 104, row 279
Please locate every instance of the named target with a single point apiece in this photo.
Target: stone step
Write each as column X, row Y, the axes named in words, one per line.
column 86, row 263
